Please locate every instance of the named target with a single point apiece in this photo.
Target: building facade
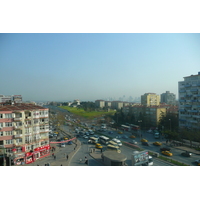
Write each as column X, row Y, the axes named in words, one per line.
column 100, row 103
column 168, row 98
column 189, row 102
column 24, row 133
column 150, row 99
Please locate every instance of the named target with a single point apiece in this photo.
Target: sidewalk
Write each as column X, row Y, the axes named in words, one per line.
column 60, row 154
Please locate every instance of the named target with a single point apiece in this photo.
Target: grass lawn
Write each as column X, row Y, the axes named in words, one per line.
column 90, row 115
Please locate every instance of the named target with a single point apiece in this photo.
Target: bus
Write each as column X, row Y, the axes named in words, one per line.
column 113, row 148
column 103, row 139
column 135, row 127
column 93, row 140
column 125, row 128
column 117, row 141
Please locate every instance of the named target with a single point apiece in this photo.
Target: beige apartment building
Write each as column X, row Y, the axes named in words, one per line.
column 152, row 113
column 150, row 99
column 24, row 133
column 100, row 103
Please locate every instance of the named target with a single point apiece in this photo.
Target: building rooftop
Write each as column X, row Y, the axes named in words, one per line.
column 20, row 106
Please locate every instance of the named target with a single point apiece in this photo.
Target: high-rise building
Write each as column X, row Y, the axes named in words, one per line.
column 150, row 99
column 168, row 98
column 189, row 98
column 24, row 133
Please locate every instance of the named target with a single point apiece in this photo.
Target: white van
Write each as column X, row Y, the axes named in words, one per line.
column 117, row 141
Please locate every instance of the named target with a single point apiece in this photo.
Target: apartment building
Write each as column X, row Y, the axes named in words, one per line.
column 117, row 105
column 7, row 98
column 168, row 98
column 189, row 98
column 24, row 133
column 150, row 99
column 100, row 103
column 150, row 114
column 108, row 104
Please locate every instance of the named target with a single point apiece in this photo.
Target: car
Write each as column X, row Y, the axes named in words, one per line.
column 110, row 132
column 85, row 137
column 98, row 146
column 144, row 140
column 125, row 136
column 120, row 132
column 62, row 145
column 96, row 136
column 133, row 142
column 165, row 149
column 118, row 137
column 197, row 162
column 157, row 143
column 186, row 154
column 70, row 142
column 145, row 143
column 167, row 153
column 132, row 136
column 65, row 138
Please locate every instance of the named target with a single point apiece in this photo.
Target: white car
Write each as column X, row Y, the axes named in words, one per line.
column 133, row 142
column 85, row 137
column 62, row 144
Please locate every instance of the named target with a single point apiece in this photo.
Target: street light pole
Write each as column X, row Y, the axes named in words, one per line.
column 170, row 124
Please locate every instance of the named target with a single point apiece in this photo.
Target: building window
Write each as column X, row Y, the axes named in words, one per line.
column 9, row 132
column 8, row 124
column 8, row 115
column 1, row 125
column 19, row 140
column 1, row 133
column 9, row 141
column 1, row 115
column 8, row 150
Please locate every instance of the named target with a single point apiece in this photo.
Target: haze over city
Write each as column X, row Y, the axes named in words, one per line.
column 64, row 67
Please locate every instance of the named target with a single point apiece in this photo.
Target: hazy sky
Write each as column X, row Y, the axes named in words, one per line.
column 59, row 67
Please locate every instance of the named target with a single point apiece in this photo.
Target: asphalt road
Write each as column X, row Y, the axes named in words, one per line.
column 176, row 152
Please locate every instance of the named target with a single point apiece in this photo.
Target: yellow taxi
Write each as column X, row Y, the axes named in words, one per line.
column 65, row 138
column 167, row 153
column 98, row 146
column 144, row 140
column 132, row 136
column 157, row 143
column 120, row 132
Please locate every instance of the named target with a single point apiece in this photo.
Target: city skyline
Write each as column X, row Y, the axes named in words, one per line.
column 61, row 67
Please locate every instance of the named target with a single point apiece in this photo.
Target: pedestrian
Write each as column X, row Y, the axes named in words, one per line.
column 67, row 157
column 61, row 165
column 101, row 150
column 85, row 157
column 74, row 148
column 54, row 157
column 52, row 154
column 37, row 165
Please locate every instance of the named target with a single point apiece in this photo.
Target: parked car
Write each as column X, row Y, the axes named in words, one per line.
column 157, row 143
column 120, row 132
column 167, row 153
column 110, row 132
column 165, row 149
column 186, row 154
column 125, row 136
column 132, row 136
column 85, row 137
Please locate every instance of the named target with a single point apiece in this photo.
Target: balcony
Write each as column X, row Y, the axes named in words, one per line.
column 17, row 127
column 17, row 119
column 27, row 118
column 181, row 91
column 194, row 90
column 17, row 136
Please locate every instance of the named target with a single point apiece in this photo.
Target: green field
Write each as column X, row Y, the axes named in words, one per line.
column 86, row 114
